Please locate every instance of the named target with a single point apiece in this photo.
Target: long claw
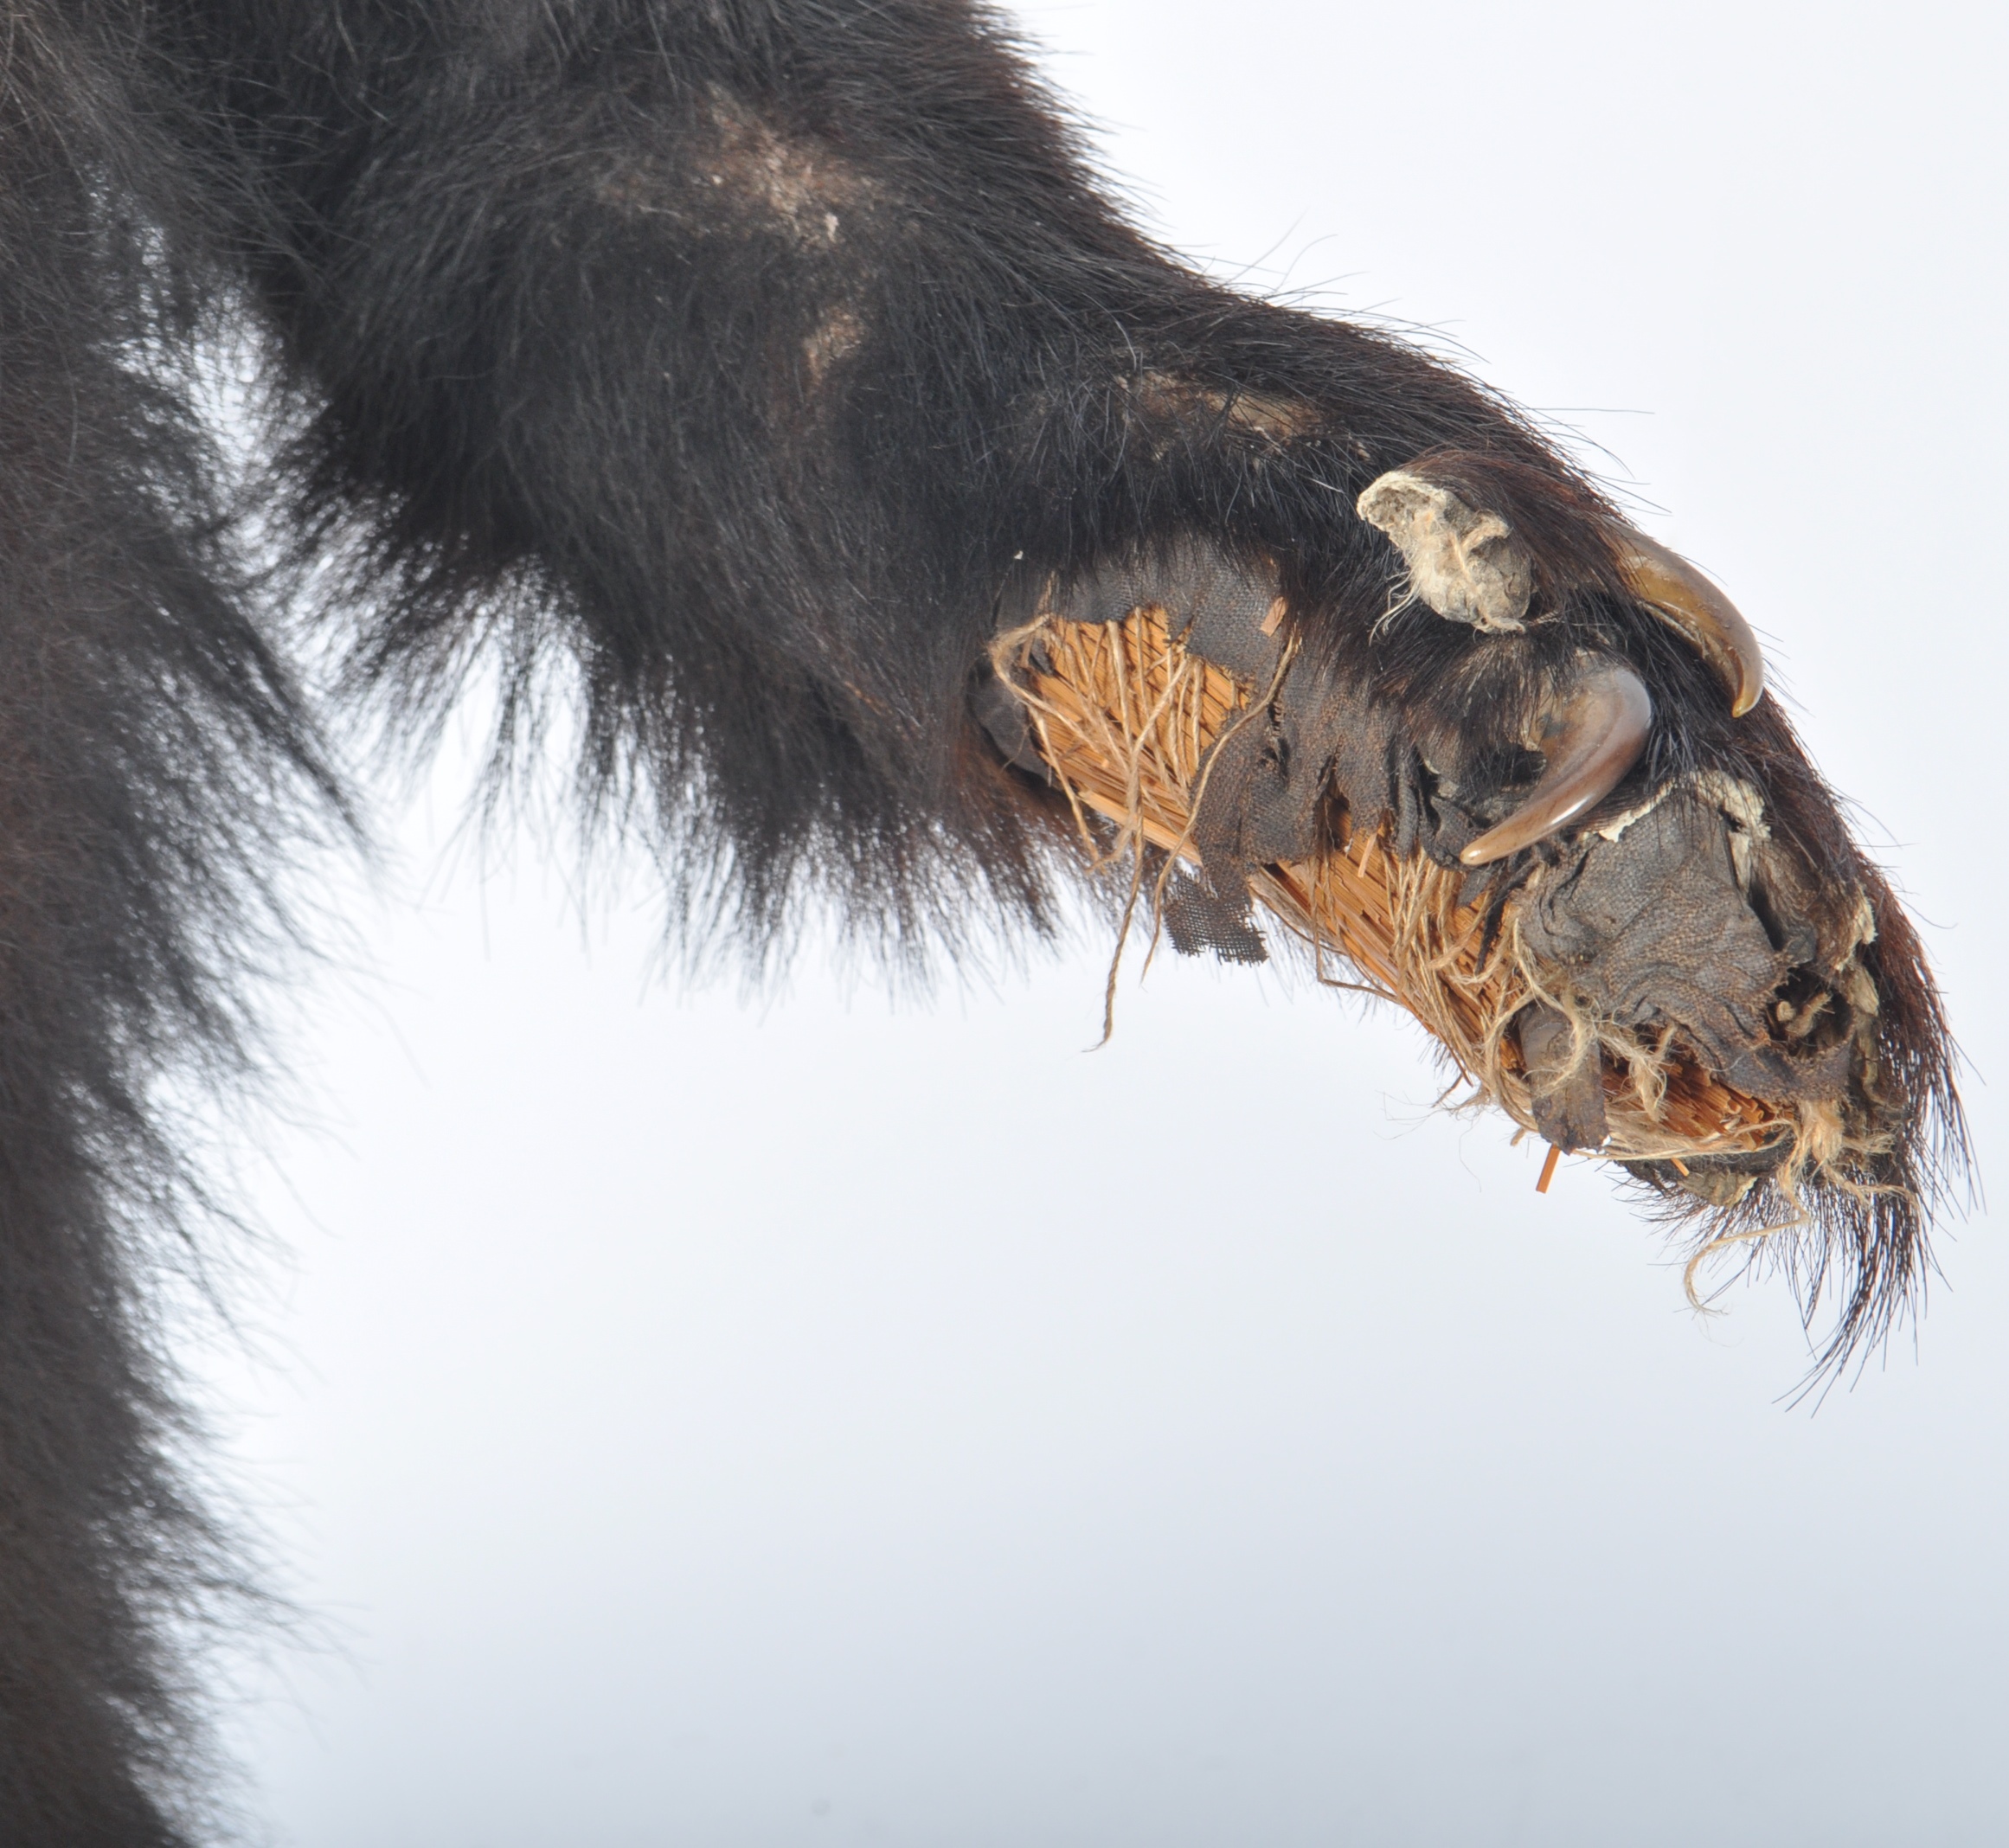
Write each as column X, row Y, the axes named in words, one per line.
column 1684, row 598
column 1590, row 744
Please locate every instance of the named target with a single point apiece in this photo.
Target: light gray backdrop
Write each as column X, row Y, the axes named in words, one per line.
column 821, row 1421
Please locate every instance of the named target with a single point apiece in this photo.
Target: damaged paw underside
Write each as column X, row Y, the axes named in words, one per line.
column 1670, row 984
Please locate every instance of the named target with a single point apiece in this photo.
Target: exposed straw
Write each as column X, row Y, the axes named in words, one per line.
column 1125, row 718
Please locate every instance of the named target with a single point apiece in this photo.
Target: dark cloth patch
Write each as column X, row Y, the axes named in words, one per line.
column 1654, row 931
column 1200, row 922
column 1312, row 748
column 1214, row 606
column 1568, row 1095
column 1263, row 793
column 1311, row 745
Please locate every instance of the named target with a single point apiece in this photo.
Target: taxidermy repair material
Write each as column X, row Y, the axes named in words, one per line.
column 772, row 379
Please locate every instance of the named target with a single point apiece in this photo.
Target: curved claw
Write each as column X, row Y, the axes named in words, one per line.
column 1590, row 744
column 1684, row 598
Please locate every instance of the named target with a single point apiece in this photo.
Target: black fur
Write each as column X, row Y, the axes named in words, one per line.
column 724, row 356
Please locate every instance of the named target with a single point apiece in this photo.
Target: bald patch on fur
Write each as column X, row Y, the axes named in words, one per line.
column 748, row 176
column 1162, row 397
column 834, row 338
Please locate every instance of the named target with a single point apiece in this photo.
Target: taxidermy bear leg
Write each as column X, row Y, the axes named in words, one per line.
column 775, row 368
column 770, row 361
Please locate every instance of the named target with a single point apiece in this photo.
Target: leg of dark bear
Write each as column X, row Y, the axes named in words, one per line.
column 146, row 739
column 752, row 357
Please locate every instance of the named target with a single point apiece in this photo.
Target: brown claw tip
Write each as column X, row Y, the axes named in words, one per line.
column 1593, row 742
column 1682, row 597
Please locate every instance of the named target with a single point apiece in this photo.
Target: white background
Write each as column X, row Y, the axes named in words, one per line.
column 819, row 1421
